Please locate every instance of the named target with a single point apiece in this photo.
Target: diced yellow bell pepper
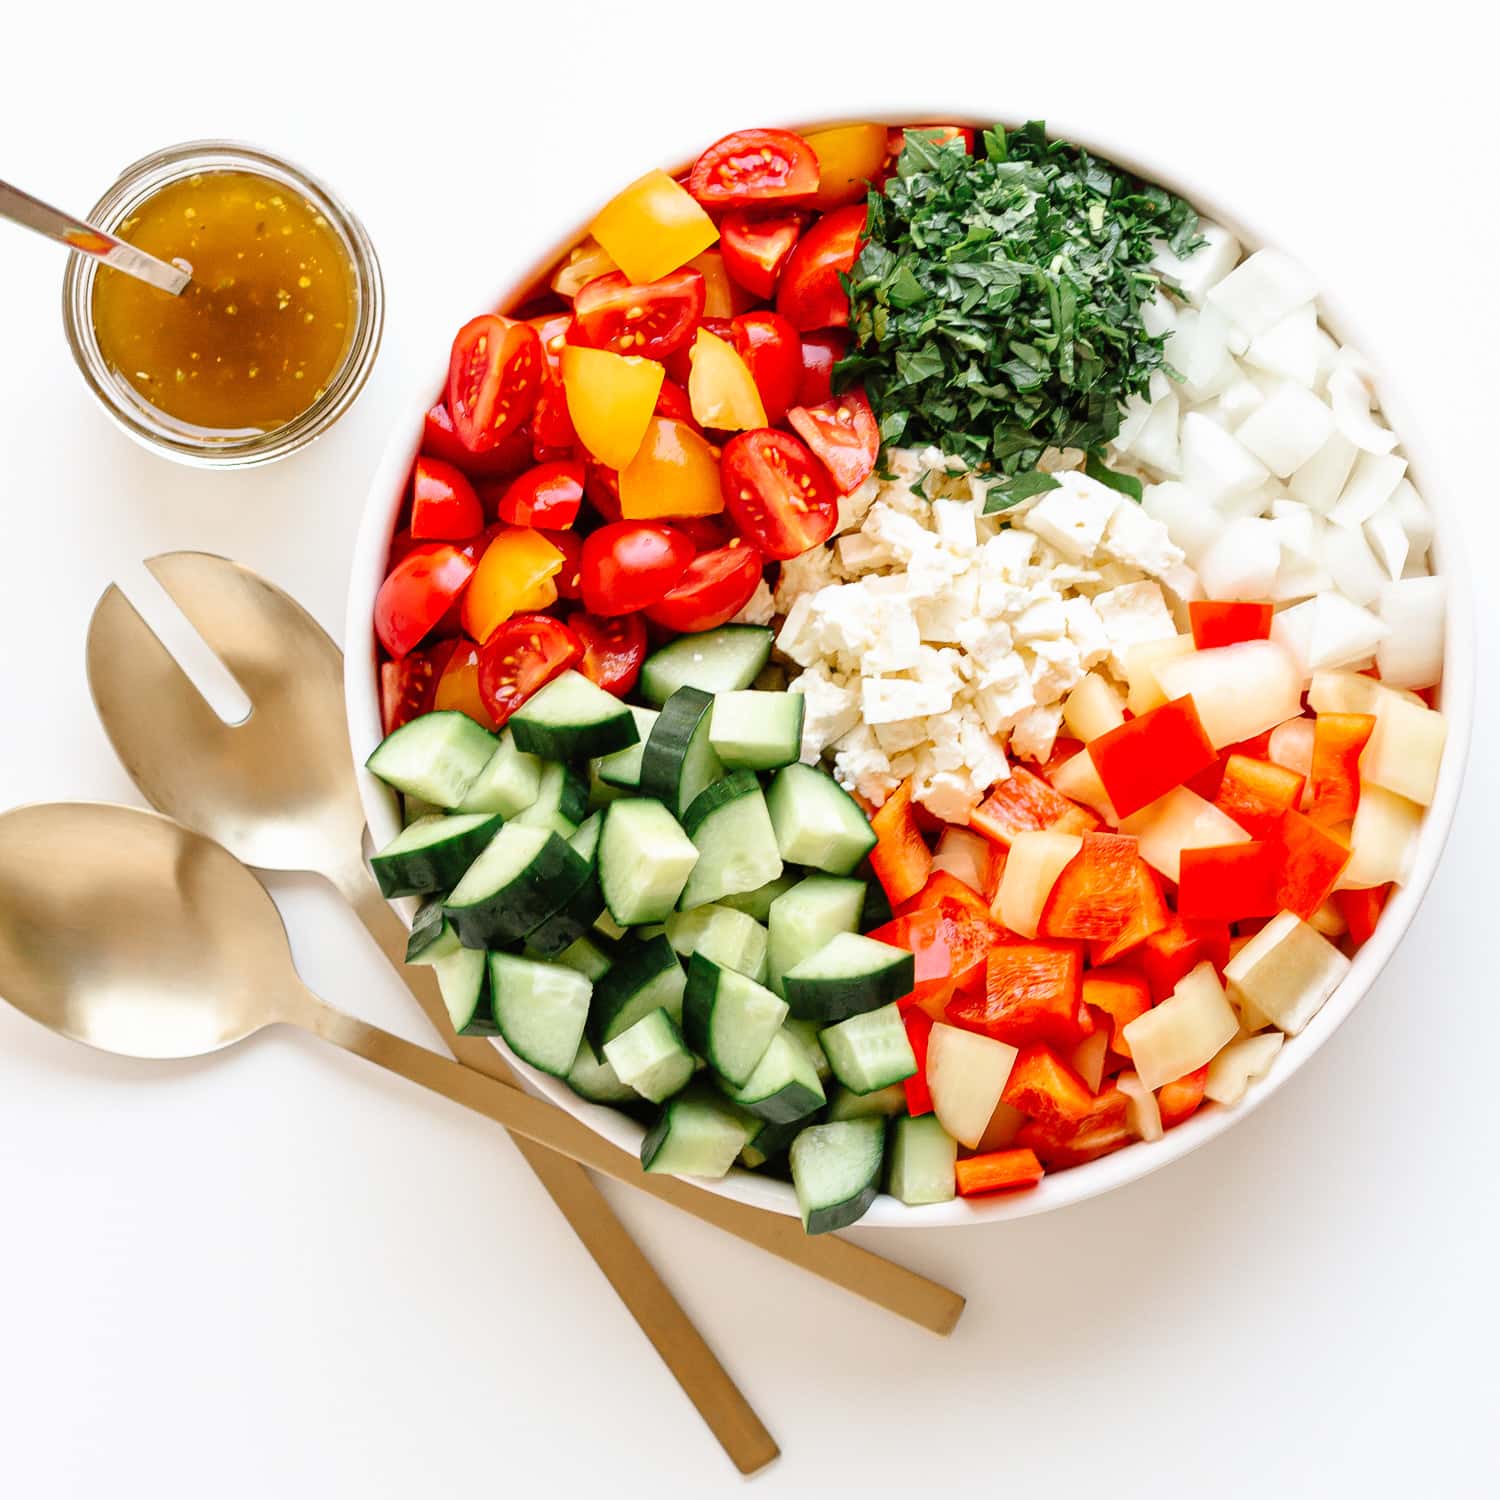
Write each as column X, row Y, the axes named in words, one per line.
column 849, row 157
column 652, row 227
column 584, row 263
column 515, row 574
column 720, row 299
column 721, row 388
column 676, row 473
column 610, row 398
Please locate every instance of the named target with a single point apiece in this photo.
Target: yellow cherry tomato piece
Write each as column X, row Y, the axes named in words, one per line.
column 458, row 687
column 722, row 297
column 652, row 227
column 584, row 262
column 721, row 388
column 849, row 157
column 514, row 574
column 676, row 473
column 610, row 398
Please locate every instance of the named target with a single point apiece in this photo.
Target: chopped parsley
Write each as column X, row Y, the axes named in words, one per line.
column 996, row 306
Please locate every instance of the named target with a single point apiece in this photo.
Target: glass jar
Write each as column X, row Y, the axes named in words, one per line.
column 153, row 428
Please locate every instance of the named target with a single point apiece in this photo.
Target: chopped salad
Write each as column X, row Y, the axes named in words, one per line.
column 910, row 664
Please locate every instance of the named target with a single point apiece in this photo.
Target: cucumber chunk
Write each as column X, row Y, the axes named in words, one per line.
column 436, row 757
column 757, row 731
column 645, row 860
column 697, row 1135
column 581, row 909
column 869, row 1051
column 571, row 718
column 768, row 1141
column 432, row 935
column 731, row 828
column 757, row 903
column 717, row 661
column 807, row 917
column 414, row 809
column 817, row 822
column 508, row 784
column 594, row 1079
column 432, row 855
column 728, row 1019
column 541, row 1009
column 836, row 1172
column 464, row 980
column 845, row 1104
column 678, row 761
column 645, row 977
column 521, row 878
column 847, row 976
column 651, row 1058
column 622, row 769
column 587, row 955
column 729, row 937
column 784, row 1085
column 922, row 1157
column 806, row 1033
column 562, row 801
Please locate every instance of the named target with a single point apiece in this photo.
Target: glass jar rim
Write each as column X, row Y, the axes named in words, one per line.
column 139, row 181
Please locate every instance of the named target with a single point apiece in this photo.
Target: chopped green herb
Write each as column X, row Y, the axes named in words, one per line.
column 1127, row 484
column 1009, row 492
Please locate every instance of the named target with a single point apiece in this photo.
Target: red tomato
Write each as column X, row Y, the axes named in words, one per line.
column 715, row 588
column 613, row 650
column 494, row 375
column 417, row 593
column 612, row 312
column 672, row 401
column 444, row 507
column 441, row 441
column 779, row 495
column 408, row 686
column 820, row 353
column 754, row 166
column 842, row 432
column 548, row 495
column 524, row 654
column 770, row 347
column 680, row 364
column 705, row 532
column 630, row 564
column 811, row 294
column 568, row 579
column 552, row 427
column 603, row 490
column 755, row 247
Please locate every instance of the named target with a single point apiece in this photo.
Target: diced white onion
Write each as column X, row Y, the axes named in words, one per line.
column 1411, row 656
column 1288, row 428
column 1388, row 539
column 1263, row 289
column 1208, row 265
column 1289, row 348
column 1287, row 971
column 1191, row 522
column 1180, row 820
column 1371, row 482
column 1142, row 1113
column 1215, row 465
column 965, row 855
column 1240, row 691
column 1349, row 395
column 1327, row 631
column 1231, row 1073
column 1184, row 1031
column 1354, row 568
column 966, row 1073
column 1319, row 482
column 1242, row 563
column 1291, row 745
column 1415, row 517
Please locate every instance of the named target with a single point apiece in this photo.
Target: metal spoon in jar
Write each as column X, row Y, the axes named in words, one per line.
column 31, row 213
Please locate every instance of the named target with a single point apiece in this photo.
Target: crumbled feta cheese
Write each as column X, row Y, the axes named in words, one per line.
column 1043, row 618
column 760, row 607
column 1072, row 517
column 955, row 525
column 861, row 766
column 1035, row 731
column 1132, row 613
column 831, row 711
column 885, row 699
column 855, row 506
column 806, row 574
column 1086, row 630
column 1140, row 541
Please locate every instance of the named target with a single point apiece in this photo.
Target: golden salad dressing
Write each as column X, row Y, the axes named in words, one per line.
column 262, row 327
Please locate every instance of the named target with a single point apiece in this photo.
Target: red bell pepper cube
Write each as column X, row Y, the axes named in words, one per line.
column 1122, row 994
column 1063, row 750
column 1072, row 1148
column 997, row 1172
column 1333, row 787
column 1151, row 915
column 1044, row 1087
column 1105, row 894
column 1180, row 1098
column 1032, row 993
column 1207, row 782
column 1307, row 861
column 901, row 859
column 1361, row 910
column 1218, row 622
column 918, row 1033
column 948, row 943
column 944, row 884
column 1178, row 949
column 1146, row 757
column 1024, row 803
column 1227, row 883
column 1255, row 793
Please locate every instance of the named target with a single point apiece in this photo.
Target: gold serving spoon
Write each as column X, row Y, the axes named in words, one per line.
column 121, row 929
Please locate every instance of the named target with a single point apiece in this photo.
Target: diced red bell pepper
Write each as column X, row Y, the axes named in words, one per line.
column 1065, row 1148
column 918, row 1034
column 1063, row 750
column 1146, row 757
column 1207, row 782
column 1024, row 803
column 901, row 859
column 1218, row 622
column 1361, row 910
column 997, row 1172
column 1307, row 861
column 1180, row 1098
column 1107, row 895
column 1152, row 905
column 1122, row 994
column 1178, row 949
column 1333, row 787
column 1044, row 1087
column 948, row 943
column 1227, row 883
column 942, row 883
column 1032, row 993
column 1255, row 793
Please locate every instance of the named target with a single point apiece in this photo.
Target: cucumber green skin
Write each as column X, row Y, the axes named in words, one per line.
column 757, row 903
column 580, row 742
column 828, row 1001
column 426, row 929
column 827, row 1218
column 793, row 1101
column 661, row 677
column 591, row 1079
column 877, row 911
column 617, row 988
column 571, row 920
column 774, row 1139
column 779, row 794
column 482, row 1021
column 476, row 745
column 507, row 915
column 682, row 722
column 719, row 794
column 437, row 867
column 659, row 1132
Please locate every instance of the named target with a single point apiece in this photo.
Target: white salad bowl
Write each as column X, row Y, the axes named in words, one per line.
column 532, row 256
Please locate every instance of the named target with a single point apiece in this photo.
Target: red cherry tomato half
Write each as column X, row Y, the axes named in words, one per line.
column 843, row 433
column 672, row 402
column 444, row 507
column 440, row 440
column 705, row 532
column 494, row 375
column 755, row 247
column 715, row 588
column 779, row 495
column 568, row 579
column 630, row 564
column 523, row 654
column 680, row 364
column 811, row 295
column 613, row 649
column 551, row 426
column 820, row 353
column 612, row 312
column 603, row 490
column 409, row 686
column 771, row 349
column 417, row 593
column 941, row 134
column 754, row 166
column 548, row 495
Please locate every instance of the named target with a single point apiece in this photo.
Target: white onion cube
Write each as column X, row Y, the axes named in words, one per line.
column 1320, row 481
column 1179, row 820
column 1287, row 971
column 1383, row 840
column 1157, row 444
column 1240, row 691
column 1405, row 751
column 1242, row 563
column 1371, row 482
column 966, row 1074
column 1411, row 656
column 1184, row 1031
column 1215, row 464
column 1350, row 393
column 1231, row 1073
column 1289, row 348
column 1353, row 567
column 1262, row 290
column 1287, row 429
column 1198, row 350
column 1388, row 540
column 1191, row 522
column 1327, row 631
column 1414, row 515
column 1208, row 265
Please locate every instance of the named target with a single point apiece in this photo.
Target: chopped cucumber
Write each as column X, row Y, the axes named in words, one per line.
column 845, row 1104
column 522, row 877
column 580, row 911
column 869, row 1051
column 817, row 822
column 731, row 828
column 622, row 769
column 414, row 809
column 562, row 801
column 436, row 757
column 651, row 1058
column 806, row 1032
column 678, row 761
column 728, row 1019
column 607, row 927
column 807, row 917
column 594, row 1079
column 757, row 903
column 697, row 1135
column 432, row 855
column 847, row 976
column 729, row 937
column 586, row 841
column 601, row 793
column 509, row 782
column 645, row 977
column 432, row 935
column 571, row 718
column 541, row 1009
column 645, row 860
column 877, row 908
column 836, row 1172
column 784, row 1085
column 587, row 955
column 717, row 661
column 757, row 731
column 771, row 1140
column 922, row 1158
column 464, row 980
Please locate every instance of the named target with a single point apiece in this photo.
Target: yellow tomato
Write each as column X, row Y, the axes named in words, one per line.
column 849, row 156
column 653, row 227
column 610, row 399
column 722, row 297
column 676, row 473
column 721, row 388
column 458, row 687
column 514, row 574
column 585, row 261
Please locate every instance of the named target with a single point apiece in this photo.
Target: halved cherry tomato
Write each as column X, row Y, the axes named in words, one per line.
column 444, row 507
column 723, row 296
column 524, row 654
column 722, row 390
column 440, row 440
column 705, row 532
column 820, row 353
column 458, row 684
column 755, row 247
column 408, row 686
column 417, row 593
column 771, row 349
column 568, row 580
column 551, row 426
column 676, row 473
column 715, row 588
column 811, row 294
column 680, row 365
column 614, row 313
column 754, row 166
column 514, row 576
column 547, row 495
column 842, row 432
column 494, row 375
column 779, row 495
column 630, row 564
column 672, row 401
column 613, row 650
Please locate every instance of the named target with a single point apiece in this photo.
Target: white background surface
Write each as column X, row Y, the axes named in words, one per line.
column 279, row 1271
